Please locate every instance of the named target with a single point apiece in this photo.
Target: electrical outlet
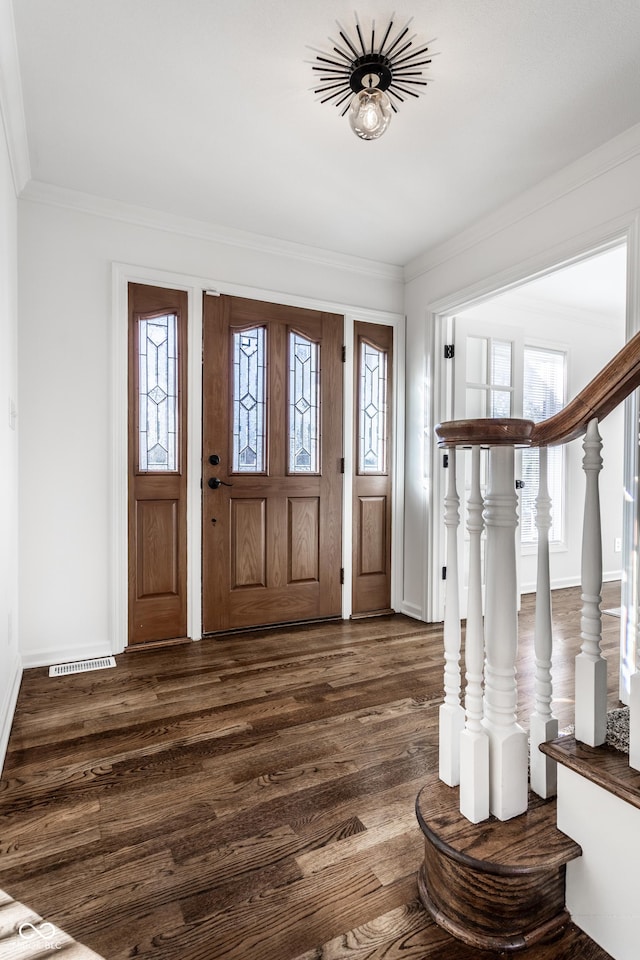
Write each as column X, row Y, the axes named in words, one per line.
column 617, row 545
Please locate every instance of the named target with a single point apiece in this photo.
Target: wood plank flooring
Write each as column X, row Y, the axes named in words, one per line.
column 249, row 798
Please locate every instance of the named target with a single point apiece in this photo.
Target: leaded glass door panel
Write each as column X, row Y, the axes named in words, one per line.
column 372, row 469
column 272, row 448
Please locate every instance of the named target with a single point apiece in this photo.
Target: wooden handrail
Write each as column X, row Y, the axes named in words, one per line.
column 489, row 432
column 613, row 384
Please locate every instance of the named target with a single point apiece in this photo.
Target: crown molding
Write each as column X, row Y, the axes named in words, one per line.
column 11, row 103
column 592, row 165
column 39, row 192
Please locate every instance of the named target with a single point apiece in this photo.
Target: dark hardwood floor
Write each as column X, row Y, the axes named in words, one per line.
column 249, row 798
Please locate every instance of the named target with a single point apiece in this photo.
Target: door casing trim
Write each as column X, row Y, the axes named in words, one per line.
column 625, row 229
column 122, row 275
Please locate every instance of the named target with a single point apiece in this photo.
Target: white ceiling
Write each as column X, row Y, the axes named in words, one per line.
column 204, row 109
column 595, row 288
column 591, row 290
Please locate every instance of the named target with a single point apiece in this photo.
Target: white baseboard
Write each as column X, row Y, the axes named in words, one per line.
column 9, row 709
column 560, row 583
column 563, row 582
column 411, row 610
column 612, row 575
column 45, row 658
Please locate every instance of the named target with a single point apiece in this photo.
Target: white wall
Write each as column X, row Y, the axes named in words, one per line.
column 10, row 669
column 66, row 259
column 602, row 884
column 592, row 201
column 589, row 343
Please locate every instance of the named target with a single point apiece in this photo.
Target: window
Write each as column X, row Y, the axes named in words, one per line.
column 544, row 396
column 304, row 404
column 158, row 394
column 489, row 377
column 372, row 414
column 249, row 400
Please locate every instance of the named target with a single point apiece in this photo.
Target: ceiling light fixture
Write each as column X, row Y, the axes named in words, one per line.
column 371, row 80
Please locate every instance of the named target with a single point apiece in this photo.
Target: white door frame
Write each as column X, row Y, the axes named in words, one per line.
column 122, row 275
column 623, row 230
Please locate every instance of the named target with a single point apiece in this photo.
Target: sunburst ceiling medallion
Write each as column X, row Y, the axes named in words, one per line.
column 370, row 79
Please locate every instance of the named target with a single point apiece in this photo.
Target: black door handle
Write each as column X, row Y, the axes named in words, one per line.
column 215, row 482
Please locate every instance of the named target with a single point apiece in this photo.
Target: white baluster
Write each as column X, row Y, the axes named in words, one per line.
column 451, row 713
column 544, row 726
column 474, row 743
column 508, row 767
column 591, row 667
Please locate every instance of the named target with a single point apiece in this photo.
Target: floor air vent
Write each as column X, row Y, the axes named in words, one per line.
column 81, row 666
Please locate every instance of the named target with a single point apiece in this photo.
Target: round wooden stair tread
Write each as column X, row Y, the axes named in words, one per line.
column 495, row 885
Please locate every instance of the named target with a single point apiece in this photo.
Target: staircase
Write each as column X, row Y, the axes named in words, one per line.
column 496, row 886
column 503, row 859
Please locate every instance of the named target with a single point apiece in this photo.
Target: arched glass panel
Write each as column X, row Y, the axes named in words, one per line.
column 304, row 404
column 158, row 394
column 372, row 414
column 249, row 400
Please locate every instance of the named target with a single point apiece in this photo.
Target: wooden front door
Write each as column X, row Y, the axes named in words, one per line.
column 157, row 527
column 372, row 469
column 272, row 471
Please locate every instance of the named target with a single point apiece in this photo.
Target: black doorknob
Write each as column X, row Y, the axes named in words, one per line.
column 215, row 482
column 214, row 459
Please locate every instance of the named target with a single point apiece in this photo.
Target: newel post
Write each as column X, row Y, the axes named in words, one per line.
column 508, row 767
column 591, row 666
column 474, row 743
column 544, row 725
column 451, row 716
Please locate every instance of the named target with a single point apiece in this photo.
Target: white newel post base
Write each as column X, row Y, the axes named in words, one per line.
column 634, row 722
column 474, row 775
column 544, row 770
column 591, row 700
column 474, row 743
column 451, row 719
column 508, row 770
column 508, row 746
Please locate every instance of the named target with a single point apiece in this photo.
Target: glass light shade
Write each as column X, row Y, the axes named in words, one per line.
column 370, row 114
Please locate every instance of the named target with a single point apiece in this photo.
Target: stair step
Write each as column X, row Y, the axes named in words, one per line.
column 604, row 766
column 495, row 885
